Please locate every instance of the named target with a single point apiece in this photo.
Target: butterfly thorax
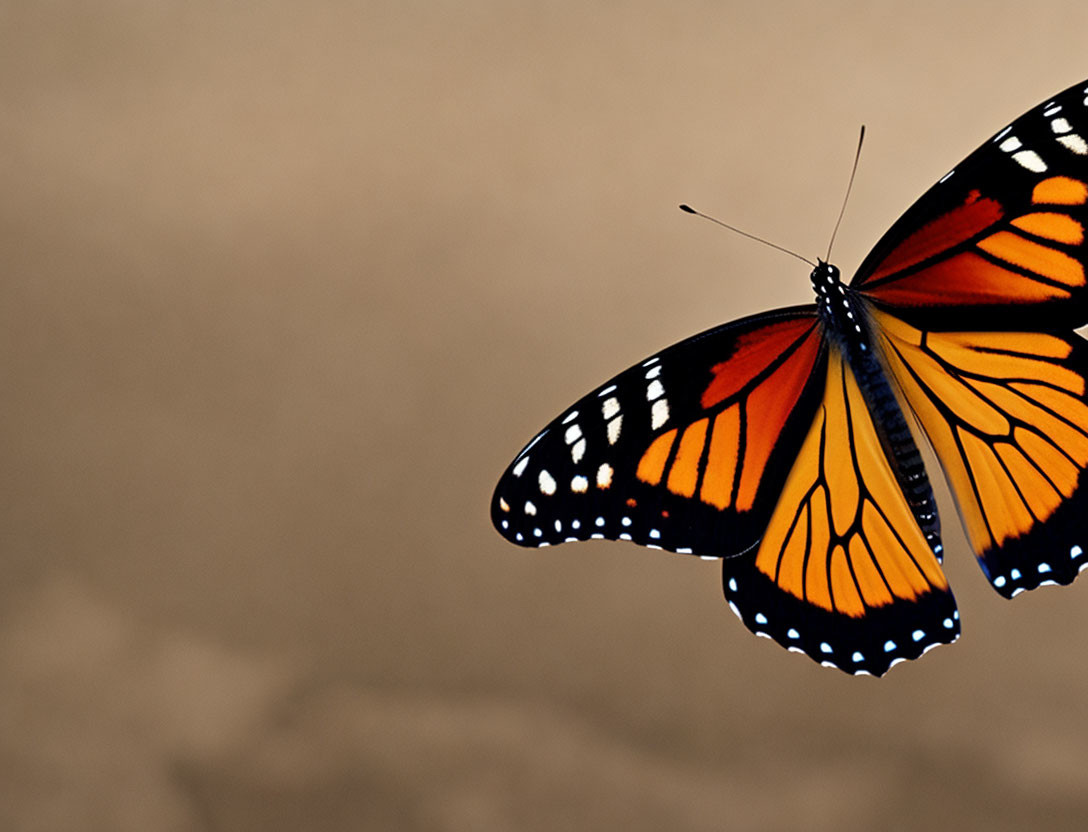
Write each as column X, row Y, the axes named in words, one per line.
column 837, row 305
column 844, row 319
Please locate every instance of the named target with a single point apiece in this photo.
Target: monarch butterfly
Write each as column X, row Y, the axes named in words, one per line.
column 782, row 443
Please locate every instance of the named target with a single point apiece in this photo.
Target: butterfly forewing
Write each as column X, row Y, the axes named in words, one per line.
column 1000, row 240
column 685, row 451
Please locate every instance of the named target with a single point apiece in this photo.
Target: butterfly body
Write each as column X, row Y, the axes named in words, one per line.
column 845, row 323
column 779, row 444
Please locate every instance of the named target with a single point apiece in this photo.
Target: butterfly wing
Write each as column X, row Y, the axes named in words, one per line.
column 686, row 451
column 973, row 295
column 1007, row 414
column 998, row 241
column 844, row 572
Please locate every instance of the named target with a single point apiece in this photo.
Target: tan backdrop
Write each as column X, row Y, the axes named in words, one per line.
column 286, row 285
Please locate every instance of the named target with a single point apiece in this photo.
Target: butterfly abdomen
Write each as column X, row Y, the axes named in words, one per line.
column 845, row 322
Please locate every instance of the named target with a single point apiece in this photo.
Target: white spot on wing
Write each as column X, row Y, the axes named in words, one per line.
column 1060, row 125
column 546, row 482
column 609, row 389
column 604, row 476
column 570, row 417
column 1031, row 160
column 519, row 469
column 579, row 485
column 659, row 413
column 650, row 361
column 614, row 429
column 573, row 434
column 610, row 407
column 1075, row 143
column 505, row 506
column 653, row 372
column 530, row 508
column 1010, row 144
column 578, row 450
column 654, row 390
column 997, row 138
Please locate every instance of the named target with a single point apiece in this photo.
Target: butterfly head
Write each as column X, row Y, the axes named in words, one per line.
column 827, row 281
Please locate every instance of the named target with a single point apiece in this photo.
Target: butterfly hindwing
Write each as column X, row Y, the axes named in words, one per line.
column 1007, row 414
column 686, row 451
column 1000, row 240
column 844, row 573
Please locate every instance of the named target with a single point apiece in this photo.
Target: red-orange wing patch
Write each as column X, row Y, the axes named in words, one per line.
column 984, row 253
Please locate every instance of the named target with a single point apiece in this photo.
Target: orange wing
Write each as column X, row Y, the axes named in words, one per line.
column 981, row 253
column 722, row 456
column 844, row 572
column 1000, row 240
column 686, row 451
column 1007, row 415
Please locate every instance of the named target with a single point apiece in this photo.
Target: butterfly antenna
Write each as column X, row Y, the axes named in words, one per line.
column 691, row 210
column 849, row 185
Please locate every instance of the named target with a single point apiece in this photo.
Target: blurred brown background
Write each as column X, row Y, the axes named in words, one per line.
column 286, row 285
